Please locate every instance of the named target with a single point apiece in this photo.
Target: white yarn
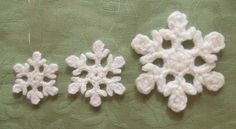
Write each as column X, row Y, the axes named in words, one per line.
column 178, row 61
column 32, row 75
column 97, row 75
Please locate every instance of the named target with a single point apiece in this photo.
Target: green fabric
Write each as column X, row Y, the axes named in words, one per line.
column 59, row 28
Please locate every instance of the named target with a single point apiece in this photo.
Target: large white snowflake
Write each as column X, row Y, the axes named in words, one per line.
column 35, row 79
column 97, row 76
column 178, row 61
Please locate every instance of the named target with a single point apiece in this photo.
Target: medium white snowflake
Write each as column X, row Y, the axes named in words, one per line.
column 35, row 79
column 178, row 61
column 97, row 75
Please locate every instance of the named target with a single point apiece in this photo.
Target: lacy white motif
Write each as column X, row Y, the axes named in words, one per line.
column 178, row 61
column 32, row 78
column 97, row 75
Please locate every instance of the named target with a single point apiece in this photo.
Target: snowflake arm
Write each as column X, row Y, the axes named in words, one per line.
column 178, row 61
column 29, row 81
column 97, row 75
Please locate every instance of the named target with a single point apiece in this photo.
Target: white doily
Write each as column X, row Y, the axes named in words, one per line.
column 178, row 61
column 35, row 79
column 96, row 75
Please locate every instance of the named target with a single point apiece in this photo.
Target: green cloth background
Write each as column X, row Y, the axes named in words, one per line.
column 59, row 28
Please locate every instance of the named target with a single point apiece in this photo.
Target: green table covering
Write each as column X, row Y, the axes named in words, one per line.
column 59, row 28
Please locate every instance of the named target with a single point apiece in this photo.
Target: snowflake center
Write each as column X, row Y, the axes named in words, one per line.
column 179, row 60
column 97, row 74
column 35, row 78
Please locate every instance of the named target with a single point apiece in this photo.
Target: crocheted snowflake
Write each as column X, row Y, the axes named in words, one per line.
column 97, row 76
column 178, row 61
column 35, row 79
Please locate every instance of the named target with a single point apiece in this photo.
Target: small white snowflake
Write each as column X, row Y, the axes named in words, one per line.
column 97, row 75
column 178, row 61
column 35, row 79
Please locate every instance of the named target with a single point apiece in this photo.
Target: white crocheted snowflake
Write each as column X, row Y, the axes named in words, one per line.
column 97, row 75
column 35, row 79
column 178, row 61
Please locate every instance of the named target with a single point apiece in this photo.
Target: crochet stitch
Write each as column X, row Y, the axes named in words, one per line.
column 97, row 75
column 178, row 61
column 35, row 79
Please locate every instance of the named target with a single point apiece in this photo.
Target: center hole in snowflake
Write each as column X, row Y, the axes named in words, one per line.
column 104, row 61
column 40, row 88
column 29, row 88
column 89, row 86
column 188, row 44
column 90, row 62
column 102, row 86
column 46, row 79
column 199, row 61
column 110, row 74
column 159, row 62
column 169, row 77
column 189, row 78
column 31, row 68
column 166, row 44
column 41, row 68
column 83, row 74
column 24, row 78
